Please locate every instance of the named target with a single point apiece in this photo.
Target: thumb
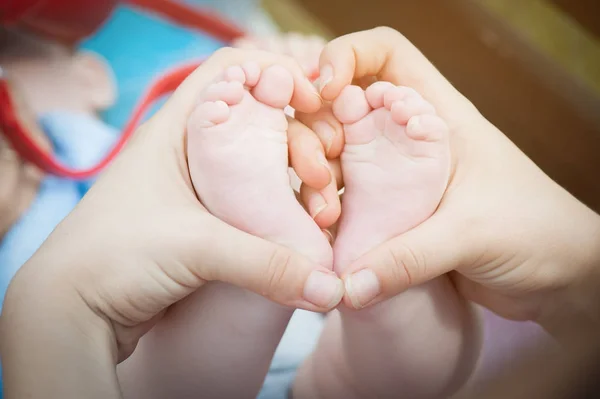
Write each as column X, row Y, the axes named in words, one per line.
column 431, row 249
column 391, row 57
column 280, row 274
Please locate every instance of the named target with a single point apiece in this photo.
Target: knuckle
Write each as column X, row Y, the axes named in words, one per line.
column 398, row 272
column 387, row 31
column 279, row 264
column 406, row 265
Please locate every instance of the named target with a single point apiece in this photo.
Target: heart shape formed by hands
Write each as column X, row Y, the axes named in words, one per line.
column 395, row 160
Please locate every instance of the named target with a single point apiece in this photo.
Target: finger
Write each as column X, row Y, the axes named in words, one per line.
column 323, row 205
column 181, row 103
column 419, row 255
column 336, row 169
column 389, row 56
column 333, row 229
column 307, row 155
column 316, row 45
column 327, row 128
column 270, row 270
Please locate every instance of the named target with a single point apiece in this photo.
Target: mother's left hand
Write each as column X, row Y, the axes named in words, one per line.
column 137, row 243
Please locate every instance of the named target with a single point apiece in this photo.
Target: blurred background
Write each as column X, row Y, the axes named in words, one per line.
column 532, row 67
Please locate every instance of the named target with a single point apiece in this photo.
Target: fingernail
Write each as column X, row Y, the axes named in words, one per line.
column 204, row 124
column 322, row 159
column 414, row 123
column 323, row 289
column 314, row 88
column 325, row 133
column 325, row 77
column 316, row 83
column 328, row 235
column 316, row 204
column 427, row 123
column 362, row 287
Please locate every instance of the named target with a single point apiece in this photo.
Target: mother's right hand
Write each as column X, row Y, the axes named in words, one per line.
column 519, row 244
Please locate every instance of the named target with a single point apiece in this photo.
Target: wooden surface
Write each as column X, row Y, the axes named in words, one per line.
column 551, row 116
column 554, row 33
column 292, row 17
column 586, row 12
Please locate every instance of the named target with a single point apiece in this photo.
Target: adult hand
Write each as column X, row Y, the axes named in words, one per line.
column 517, row 242
column 138, row 242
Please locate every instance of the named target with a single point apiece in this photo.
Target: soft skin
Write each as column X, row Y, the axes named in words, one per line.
column 137, row 243
column 507, row 236
column 513, row 240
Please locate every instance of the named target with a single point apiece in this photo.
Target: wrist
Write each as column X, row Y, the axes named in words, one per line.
column 574, row 310
column 53, row 345
column 575, row 307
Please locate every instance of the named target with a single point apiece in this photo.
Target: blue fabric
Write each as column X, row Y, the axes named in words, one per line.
column 298, row 342
column 139, row 47
column 78, row 141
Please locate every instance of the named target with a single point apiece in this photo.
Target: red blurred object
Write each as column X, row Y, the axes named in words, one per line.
column 72, row 20
column 64, row 20
column 206, row 21
column 27, row 148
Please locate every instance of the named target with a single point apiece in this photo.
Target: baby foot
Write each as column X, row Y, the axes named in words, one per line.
column 238, row 159
column 396, row 165
column 218, row 342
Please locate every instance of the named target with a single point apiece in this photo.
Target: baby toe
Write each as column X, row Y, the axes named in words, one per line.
column 427, row 127
column 375, row 93
column 398, row 93
column 208, row 114
column 351, row 105
column 235, row 74
column 229, row 92
column 275, row 87
column 403, row 110
column 252, row 72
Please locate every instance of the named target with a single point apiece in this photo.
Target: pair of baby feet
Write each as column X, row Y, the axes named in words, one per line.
column 395, row 162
